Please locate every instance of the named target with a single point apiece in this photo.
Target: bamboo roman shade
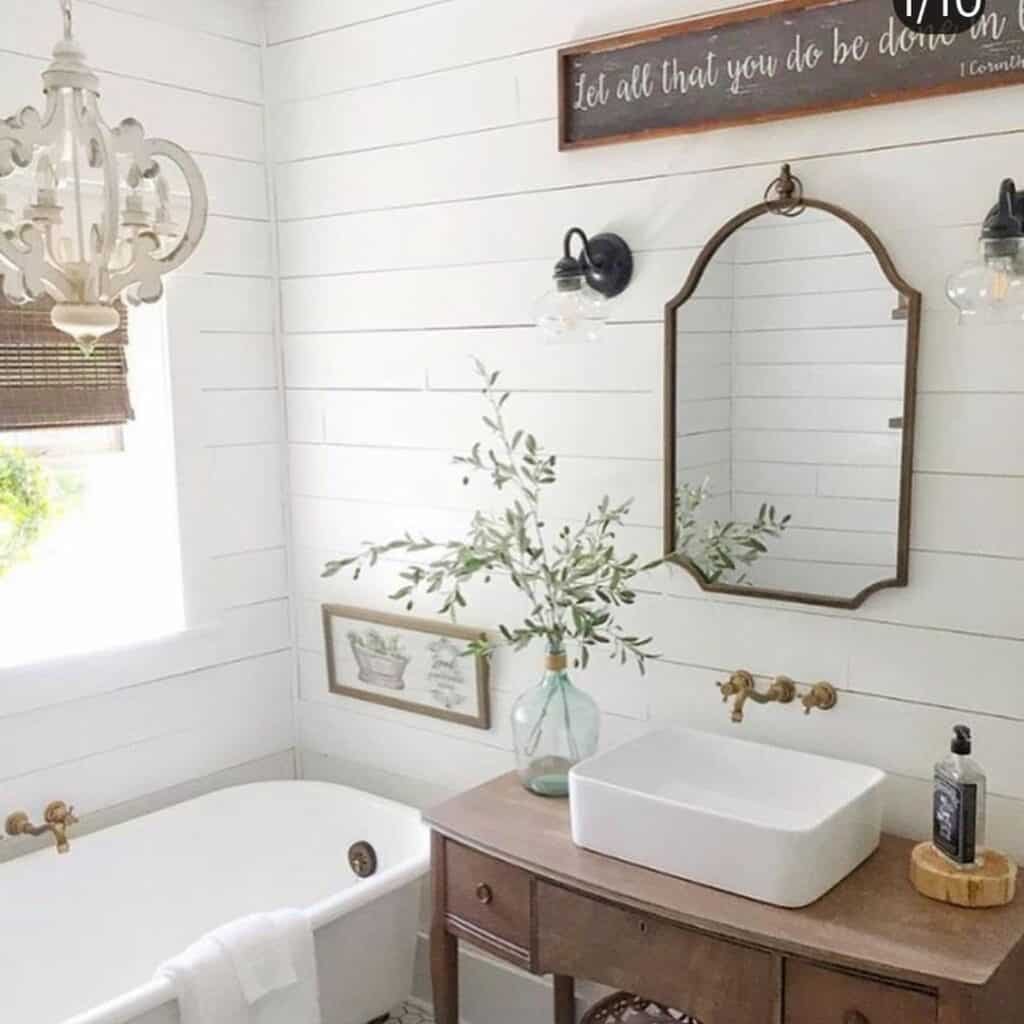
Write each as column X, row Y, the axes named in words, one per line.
column 45, row 381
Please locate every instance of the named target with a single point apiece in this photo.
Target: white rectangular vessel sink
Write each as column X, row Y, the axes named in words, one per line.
column 775, row 825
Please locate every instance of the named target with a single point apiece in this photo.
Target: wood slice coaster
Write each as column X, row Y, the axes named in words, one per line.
column 624, row 1008
column 992, row 885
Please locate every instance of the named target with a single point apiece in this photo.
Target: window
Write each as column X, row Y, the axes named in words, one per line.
column 105, row 570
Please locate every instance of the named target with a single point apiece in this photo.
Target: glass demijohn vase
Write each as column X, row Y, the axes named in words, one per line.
column 555, row 727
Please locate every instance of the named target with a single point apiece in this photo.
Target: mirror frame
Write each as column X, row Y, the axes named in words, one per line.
column 912, row 299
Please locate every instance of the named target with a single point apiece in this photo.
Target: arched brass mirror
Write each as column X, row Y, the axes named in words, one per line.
column 791, row 366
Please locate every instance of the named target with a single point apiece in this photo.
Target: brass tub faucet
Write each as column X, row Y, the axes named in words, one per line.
column 58, row 817
column 742, row 687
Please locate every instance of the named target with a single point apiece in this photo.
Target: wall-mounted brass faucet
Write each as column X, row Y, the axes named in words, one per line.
column 58, row 817
column 742, row 687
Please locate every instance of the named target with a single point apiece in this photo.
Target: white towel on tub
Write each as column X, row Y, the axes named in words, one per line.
column 259, row 970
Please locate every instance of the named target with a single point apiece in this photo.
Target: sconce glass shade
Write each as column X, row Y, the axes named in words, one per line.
column 575, row 314
column 577, row 308
column 992, row 288
column 90, row 214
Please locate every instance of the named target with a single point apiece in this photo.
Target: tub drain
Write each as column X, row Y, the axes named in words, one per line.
column 362, row 858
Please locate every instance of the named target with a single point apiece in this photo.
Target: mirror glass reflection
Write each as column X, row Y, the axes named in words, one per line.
column 789, row 412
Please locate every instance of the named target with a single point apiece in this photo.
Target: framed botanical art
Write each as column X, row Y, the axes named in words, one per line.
column 411, row 664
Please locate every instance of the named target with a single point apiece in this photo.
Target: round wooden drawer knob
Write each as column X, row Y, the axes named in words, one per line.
column 855, row 1017
column 485, row 896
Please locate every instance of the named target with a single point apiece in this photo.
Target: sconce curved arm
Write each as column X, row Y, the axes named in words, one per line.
column 582, row 236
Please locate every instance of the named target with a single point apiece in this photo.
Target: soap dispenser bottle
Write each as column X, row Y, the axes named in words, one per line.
column 959, row 809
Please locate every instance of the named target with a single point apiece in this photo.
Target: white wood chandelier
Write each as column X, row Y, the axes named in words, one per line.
column 87, row 212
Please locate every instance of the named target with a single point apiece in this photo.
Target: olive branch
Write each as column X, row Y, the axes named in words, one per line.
column 575, row 583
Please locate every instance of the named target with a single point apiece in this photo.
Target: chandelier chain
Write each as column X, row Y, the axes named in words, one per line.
column 65, row 7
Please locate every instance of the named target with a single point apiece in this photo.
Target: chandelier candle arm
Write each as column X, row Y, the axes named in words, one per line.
column 98, row 223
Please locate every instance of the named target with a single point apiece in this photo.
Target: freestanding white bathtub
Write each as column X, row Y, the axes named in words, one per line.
column 82, row 935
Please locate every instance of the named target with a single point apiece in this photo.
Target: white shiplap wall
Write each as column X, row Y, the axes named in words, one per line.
column 125, row 729
column 422, row 200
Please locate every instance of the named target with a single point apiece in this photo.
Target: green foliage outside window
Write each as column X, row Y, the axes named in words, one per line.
column 30, row 500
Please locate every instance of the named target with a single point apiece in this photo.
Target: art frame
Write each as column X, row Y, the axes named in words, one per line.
column 366, row 663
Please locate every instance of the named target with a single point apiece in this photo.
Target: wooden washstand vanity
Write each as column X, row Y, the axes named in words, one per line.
column 508, row 880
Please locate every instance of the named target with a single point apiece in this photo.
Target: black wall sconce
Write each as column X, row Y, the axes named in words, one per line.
column 576, row 309
column 992, row 287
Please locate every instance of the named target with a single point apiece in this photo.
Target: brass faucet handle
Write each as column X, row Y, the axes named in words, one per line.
column 822, row 696
column 17, row 823
column 58, row 813
column 784, row 690
column 738, row 682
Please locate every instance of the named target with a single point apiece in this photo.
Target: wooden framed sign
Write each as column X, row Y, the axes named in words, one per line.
column 779, row 60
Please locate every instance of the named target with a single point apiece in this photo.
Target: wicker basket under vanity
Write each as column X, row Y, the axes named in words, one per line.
column 624, row 1008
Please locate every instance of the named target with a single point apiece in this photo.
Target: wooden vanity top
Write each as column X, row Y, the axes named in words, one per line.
column 874, row 921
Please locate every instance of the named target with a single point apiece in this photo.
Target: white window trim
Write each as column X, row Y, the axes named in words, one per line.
column 212, row 633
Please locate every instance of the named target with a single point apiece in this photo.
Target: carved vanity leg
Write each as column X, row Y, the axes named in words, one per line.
column 444, row 947
column 565, row 1000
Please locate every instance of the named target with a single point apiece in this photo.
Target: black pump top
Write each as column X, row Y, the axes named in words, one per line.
column 961, row 740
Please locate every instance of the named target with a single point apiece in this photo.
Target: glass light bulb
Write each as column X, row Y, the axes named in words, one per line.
column 992, row 288
column 575, row 315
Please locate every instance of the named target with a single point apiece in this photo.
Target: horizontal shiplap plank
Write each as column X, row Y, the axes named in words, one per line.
column 478, row 98
column 228, row 717
column 400, row 747
column 625, row 426
column 293, row 19
column 246, row 511
column 241, row 417
column 322, row 525
column 135, row 46
column 236, row 188
column 970, row 433
column 214, row 304
column 382, row 50
column 846, row 416
column 241, row 248
column 969, row 514
column 233, row 19
column 241, row 633
column 202, row 123
column 822, row 381
column 525, row 158
column 242, row 360
column 415, row 478
column 248, row 578
column 444, row 360
column 75, row 730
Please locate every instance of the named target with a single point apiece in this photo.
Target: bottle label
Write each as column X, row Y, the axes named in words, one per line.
column 955, row 819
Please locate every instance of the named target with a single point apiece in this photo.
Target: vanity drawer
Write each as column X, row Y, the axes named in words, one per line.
column 817, row 995
column 711, row 979
column 490, row 896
